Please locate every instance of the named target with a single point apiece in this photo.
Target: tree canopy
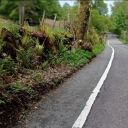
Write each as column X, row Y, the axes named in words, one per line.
column 100, row 6
column 33, row 8
column 119, row 16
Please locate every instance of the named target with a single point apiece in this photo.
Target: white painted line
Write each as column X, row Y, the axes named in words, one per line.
column 85, row 112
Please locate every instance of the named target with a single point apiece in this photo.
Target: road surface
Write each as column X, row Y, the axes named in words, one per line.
column 61, row 107
column 111, row 107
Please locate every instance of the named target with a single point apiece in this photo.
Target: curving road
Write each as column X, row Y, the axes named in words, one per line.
column 61, row 107
column 111, row 107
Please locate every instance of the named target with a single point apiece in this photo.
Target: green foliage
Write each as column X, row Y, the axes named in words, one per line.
column 99, row 22
column 33, row 8
column 124, row 36
column 9, row 25
column 25, row 57
column 44, row 65
column 2, row 71
column 2, row 102
column 119, row 17
column 31, row 48
column 93, row 37
column 51, row 7
column 62, row 47
column 14, row 29
column 4, row 98
column 37, row 76
column 100, row 6
column 98, row 48
column 69, row 12
column 65, row 10
column 39, row 48
column 18, row 87
column 7, row 65
column 74, row 58
column 28, row 42
column 7, row 7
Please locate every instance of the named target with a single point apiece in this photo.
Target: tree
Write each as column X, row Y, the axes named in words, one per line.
column 99, row 22
column 119, row 16
column 33, row 8
column 100, row 6
column 83, row 16
column 65, row 10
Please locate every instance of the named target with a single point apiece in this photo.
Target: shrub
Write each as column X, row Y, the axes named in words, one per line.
column 2, row 102
column 93, row 37
column 37, row 76
column 18, row 87
column 9, row 25
column 14, row 29
column 39, row 48
column 7, row 65
column 2, row 71
column 99, row 22
column 48, row 32
column 124, row 36
column 28, row 42
column 25, row 58
column 44, row 65
column 74, row 58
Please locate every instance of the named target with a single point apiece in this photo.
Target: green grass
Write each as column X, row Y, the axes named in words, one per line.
column 98, row 48
column 77, row 58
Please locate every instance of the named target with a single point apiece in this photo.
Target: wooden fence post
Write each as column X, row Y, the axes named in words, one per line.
column 43, row 17
column 54, row 23
column 21, row 15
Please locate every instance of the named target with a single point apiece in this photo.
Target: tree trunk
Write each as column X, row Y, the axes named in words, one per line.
column 83, row 17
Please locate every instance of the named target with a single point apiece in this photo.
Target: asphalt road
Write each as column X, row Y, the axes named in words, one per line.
column 61, row 107
column 111, row 107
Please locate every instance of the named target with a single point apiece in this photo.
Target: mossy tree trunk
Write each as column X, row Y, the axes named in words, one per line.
column 83, row 18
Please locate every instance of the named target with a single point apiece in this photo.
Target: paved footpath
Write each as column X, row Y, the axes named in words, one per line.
column 61, row 107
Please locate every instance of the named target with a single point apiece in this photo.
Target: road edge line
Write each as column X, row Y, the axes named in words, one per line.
column 85, row 112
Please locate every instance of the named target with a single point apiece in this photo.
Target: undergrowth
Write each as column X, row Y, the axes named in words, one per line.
column 124, row 37
column 77, row 57
column 18, row 78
